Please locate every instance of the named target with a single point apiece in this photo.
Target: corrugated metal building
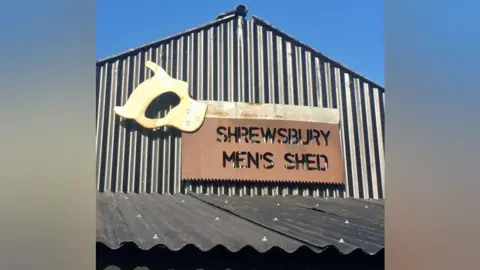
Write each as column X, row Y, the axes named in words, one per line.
column 234, row 59
column 242, row 60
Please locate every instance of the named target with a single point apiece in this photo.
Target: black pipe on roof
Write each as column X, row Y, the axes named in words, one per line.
column 240, row 10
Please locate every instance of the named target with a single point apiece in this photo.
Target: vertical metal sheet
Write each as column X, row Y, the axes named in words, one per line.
column 236, row 60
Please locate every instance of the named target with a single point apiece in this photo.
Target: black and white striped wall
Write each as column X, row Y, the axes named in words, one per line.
column 240, row 60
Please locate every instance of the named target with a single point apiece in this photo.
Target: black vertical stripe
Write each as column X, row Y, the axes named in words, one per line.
column 194, row 54
column 294, row 75
column 162, row 140
column 235, row 62
column 174, row 133
column 382, row 116
column 256, row 61
column 215, row 86
column 126, row 161
column 372, row 93
column 185, row 62
column 225, row 43
column 323, row 72
column 304, row 78
column 314, row 81
column 285, row 56
column 246, row 51
column 139, row 153
column 365, row 139
column 356, row 138
column 97, row 90
column 334, row 87
column 276, row 93
column 108, row 90
column 184, row 72
column 206, row 58
column 151, row 133
column 347, row 136
column 116, row 125
column 266, row 79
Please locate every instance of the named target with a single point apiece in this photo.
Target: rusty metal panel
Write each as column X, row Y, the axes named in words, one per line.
column 241, row 110
column 237, row 60
column 263, row 150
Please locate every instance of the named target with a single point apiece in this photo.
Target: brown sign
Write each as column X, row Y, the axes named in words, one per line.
column 263, row 150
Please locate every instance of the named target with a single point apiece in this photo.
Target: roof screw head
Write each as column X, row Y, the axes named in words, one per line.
column 316, row 205
column 217, row 218
column 346, row 222
column 155, row 236
column 275, row 219
column 264, row 239
column 183, row 201
column 366, row 206
column 226, row 201
column 278, row 204
column 139, row 216
column 341, row 240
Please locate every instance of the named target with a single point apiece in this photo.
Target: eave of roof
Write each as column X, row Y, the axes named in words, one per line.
column 289, row 223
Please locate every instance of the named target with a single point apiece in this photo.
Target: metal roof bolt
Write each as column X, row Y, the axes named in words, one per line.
column 264, row 239
column 316, row 205
column 366, row 206
column 275, row 219
column 226, row 201
column 183, row 201
column 217, row 218
column 341, row 240
column 278, row 204
column 155, row 236
column 346, row 222
column 139, row 216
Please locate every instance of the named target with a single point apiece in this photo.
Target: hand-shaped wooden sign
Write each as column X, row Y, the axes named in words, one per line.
column 187, row 116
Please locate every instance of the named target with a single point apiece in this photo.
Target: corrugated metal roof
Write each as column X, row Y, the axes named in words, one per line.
column 234, row 222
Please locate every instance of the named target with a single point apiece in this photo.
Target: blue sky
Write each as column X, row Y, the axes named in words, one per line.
column 349, row 31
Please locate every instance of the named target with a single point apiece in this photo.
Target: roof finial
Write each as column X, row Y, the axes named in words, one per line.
column 240, row 10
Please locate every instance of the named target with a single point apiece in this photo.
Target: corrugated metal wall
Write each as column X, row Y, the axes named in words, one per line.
column 236, row 60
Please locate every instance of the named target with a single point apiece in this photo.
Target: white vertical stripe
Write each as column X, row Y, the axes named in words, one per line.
column 289, row 72
column 230, row 61
column 328, row 80
column 261, row 69
column 299, row 82
column 308, row 66
column 380, row 137
column 361, row 126
column 109, row 154
column 271, row 78
column 371, row 144
column 240, row 63
column 351, row 142
column 341, row 105
column 280, row 79
column 318, row 69
column 100, row 119
column 121, row 130
column 210, row 77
